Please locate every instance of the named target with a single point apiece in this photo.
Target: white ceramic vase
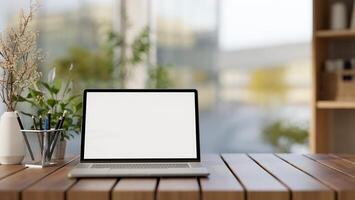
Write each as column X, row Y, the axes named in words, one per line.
column 12, row 144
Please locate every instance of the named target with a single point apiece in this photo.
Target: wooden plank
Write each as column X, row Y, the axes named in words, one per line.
column 7, row 170
column 135, row 189
column 348, row 157
column 258, row 183
column 178, row 189
column 343, row 184
column 302, row 186
column 335, row 162
column 11, row 186
column 221, row 183
column 52, row 187
column 95, row 189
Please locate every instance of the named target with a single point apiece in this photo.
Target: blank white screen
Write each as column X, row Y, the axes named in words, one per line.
column 140, row 125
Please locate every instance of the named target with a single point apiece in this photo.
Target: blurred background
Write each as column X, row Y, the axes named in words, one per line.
column 249, row 59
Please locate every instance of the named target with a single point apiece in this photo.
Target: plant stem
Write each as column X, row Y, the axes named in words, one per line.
column 10, row 95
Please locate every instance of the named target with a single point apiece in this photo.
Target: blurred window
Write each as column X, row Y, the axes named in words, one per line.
column 251, row 62
column 249, row 59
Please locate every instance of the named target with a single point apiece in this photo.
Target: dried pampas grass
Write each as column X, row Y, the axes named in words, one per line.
column 19, row 58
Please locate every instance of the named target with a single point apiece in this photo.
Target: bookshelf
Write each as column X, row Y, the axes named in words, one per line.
column 335, row 34
column 335, row 105
column 333, row 123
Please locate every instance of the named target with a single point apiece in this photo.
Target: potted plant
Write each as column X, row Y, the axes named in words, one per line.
column 56, row 96
column 19, row 58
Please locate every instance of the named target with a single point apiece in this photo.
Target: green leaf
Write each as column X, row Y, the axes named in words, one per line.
column 51, row 89
column 67, row 88
column 43, row 111
column 73, row 98
column 55, row 90
column 26, row 114
column 69, row 110
column 35, row 93
column 58, row 84
column 52, row 102
column 46, row 85
column 140, row 46
column 19, row 98
column 79, row 106
column 33, row 104
column 62, row 106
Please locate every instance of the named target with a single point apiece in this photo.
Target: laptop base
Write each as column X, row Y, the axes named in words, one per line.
column 194, row 171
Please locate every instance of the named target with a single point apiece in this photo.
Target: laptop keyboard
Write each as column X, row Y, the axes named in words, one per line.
column 140, row 165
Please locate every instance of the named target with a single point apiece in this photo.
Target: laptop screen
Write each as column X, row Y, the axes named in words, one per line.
column 140, row 125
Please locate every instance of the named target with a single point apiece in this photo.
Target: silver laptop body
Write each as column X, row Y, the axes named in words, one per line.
column 140, row 133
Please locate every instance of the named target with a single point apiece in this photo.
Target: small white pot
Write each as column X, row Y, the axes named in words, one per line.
column 12, row 144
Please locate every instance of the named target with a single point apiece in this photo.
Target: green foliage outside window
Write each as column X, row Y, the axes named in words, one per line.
column 283, row 135
column 97, row 69
column 92, row 69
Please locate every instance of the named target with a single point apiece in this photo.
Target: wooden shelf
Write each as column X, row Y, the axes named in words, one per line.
column 335, row 105
column 335, row 34
column 333, row 120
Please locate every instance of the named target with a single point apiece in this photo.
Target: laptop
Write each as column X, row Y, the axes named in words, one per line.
column 140, row 133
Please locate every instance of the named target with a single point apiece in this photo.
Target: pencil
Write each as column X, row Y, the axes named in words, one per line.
column 34, row 122
column 47, row 138
column 40, row 123
column 55, row 136
column 63, row 118
column 41, row 128
column 38, row 134
column 56, row 128
column 48, row 127
column 24, row 135
column 49, row 115
column 59, row 126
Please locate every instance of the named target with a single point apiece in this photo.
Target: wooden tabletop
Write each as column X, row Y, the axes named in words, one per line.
column 233, row 176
